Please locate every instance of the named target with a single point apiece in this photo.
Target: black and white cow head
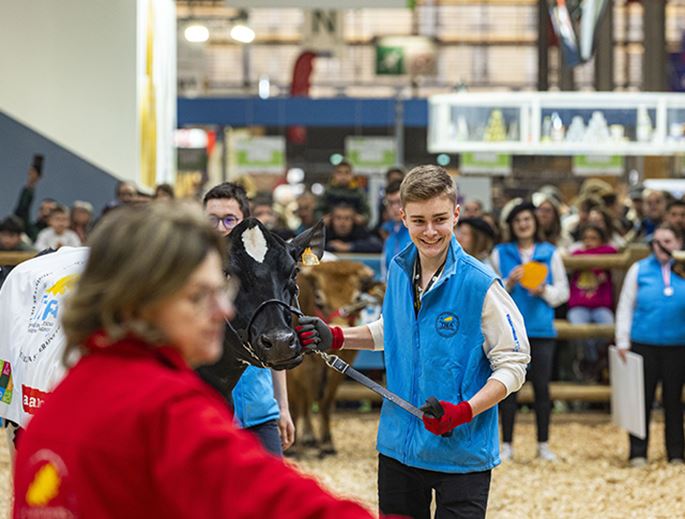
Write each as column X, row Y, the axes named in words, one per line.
column 266, row 266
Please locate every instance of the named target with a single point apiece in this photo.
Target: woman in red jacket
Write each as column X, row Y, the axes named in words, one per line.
column 132, row 431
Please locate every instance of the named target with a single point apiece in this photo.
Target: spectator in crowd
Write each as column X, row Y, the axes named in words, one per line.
column 150, row 439
column 392, row 175
column 81, row 219
column 263, row 210
column 476, row 237
column 11, row 229
column 343, row 234
column 57, row 234
column 650, row 322
column 675, row 214
column 164, row 192
column 491, row 220
column 125, row 193
column 441, row 310
column 473, row 208
column 394, row 231
column 602, row 218
column 575, row 223
column 537, row 306
column 591, row 299
column 635, row 193
column 654, row 209
column 549, row 216
column 305, row 211
column 260, row 399
column 23, row 209
column 619, row 214
column 344, row 188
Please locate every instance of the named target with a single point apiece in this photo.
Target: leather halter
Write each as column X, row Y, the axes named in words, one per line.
column 245, row 334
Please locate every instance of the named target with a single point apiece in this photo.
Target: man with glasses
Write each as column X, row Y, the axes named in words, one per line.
column 260, row 399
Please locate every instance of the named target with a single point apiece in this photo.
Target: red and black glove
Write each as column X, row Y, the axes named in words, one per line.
column 316, row 335
column 452, row 417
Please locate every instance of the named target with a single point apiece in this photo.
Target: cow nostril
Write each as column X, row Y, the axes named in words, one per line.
column 266, row 342
column 291, row 341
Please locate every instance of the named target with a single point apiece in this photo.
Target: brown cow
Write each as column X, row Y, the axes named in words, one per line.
column 331, row 291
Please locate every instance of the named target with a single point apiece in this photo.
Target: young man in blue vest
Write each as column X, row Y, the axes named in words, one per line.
column 449, row 330
column 260, row 399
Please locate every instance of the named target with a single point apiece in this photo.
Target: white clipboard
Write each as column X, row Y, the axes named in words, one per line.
column 627, row 392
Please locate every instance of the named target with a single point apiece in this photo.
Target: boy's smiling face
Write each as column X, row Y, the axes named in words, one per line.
column 430, row 224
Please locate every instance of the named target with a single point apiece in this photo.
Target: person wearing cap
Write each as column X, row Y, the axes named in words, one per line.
column 537, row 306
column 476, row 238
column 650, row 321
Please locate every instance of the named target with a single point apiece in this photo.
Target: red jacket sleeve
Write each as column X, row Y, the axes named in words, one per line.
column 206, row 467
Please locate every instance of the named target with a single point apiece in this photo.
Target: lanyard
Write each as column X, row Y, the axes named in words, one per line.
column 666, row 277
column 418, row 292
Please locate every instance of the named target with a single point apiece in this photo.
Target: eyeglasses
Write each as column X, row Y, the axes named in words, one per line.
column 229, row 221
column 206, row 298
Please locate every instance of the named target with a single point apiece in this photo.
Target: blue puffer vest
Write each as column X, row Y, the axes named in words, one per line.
column 658, row 319
column 438, row 352
column 537, row 314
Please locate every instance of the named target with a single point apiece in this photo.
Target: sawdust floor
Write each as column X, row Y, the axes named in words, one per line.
column 591, row 478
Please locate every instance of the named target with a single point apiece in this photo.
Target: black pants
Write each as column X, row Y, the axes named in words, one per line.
column 540, row 372
column 268, row 435
column 407, row 491
column 665, row 364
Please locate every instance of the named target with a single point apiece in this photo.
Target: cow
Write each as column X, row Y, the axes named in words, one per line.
column 334, row 292
column 261, row 333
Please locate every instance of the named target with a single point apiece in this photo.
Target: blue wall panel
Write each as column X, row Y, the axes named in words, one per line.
column 288, row 111
column 66, row 176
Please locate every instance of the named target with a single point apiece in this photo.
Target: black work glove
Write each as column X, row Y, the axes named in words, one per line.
column 316, row 335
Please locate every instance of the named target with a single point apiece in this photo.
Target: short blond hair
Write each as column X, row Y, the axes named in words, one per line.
column 139, row 255
column 426, row 182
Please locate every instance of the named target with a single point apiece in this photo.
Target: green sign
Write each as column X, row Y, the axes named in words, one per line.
column 485, row 163
column 590, row 165
column 390, row 61
column 259, row 154
column 371, row 154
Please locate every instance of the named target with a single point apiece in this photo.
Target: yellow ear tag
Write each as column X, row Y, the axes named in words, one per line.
column 309, row 258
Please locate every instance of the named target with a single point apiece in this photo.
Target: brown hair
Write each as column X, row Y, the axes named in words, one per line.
column 426, row 182
column 139, row 256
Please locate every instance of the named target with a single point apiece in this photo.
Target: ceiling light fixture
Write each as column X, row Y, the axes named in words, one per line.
column 196, row 33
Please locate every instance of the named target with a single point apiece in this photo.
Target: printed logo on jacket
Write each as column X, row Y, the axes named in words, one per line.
column 45, row 312
column 447, row 324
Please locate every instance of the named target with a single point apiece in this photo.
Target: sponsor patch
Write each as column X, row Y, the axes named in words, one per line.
column 33, row 399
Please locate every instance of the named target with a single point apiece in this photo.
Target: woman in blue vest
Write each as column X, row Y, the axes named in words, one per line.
column 650, row 321
column 537, row 306
column 449, row 330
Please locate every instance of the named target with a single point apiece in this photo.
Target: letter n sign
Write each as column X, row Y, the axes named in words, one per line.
column 323, row 30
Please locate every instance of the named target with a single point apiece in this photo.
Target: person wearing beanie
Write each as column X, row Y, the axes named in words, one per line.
column 537, row 306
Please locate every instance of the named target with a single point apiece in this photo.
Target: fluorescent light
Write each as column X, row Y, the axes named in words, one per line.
column 242, row 33
column 196, row 33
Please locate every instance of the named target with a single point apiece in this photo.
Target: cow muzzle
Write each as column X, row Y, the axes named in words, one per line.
column 280, row 349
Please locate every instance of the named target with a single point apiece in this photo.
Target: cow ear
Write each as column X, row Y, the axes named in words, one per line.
column 314, row 238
